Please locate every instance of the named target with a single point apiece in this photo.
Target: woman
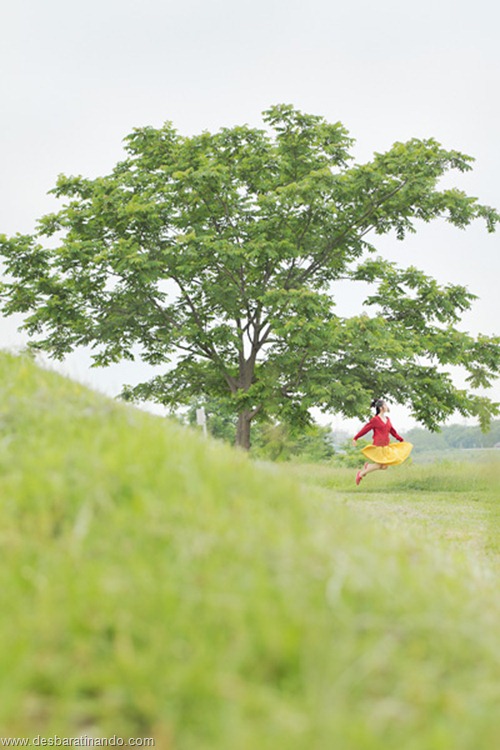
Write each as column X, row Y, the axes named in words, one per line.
column 383, row 453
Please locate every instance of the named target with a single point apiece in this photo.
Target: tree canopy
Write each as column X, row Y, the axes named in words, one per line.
column 214, row 256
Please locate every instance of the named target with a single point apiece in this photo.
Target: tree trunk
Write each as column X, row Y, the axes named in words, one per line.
column 243, row 430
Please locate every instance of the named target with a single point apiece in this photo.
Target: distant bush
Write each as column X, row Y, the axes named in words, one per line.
column 454, row 436
column 350, row 455
column 279, row 442
column 272, row 441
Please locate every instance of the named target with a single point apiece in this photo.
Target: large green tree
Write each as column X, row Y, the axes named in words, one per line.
column 214, row 257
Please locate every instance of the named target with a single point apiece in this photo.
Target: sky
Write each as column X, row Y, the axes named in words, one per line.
column 76, row 78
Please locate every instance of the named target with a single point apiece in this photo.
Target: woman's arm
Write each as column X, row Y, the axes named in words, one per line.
column 395, row 434
column 364, row 430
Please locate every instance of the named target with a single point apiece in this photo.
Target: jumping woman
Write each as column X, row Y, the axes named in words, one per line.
column 383, row 453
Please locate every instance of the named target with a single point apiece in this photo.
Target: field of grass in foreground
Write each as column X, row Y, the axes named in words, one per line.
column 154, row 584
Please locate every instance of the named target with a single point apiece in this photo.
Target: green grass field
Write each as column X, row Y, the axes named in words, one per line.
column 154, row 584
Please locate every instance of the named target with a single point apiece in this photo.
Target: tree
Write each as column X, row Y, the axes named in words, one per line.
column 213, row 256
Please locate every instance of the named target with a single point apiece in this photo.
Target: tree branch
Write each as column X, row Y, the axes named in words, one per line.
column 209, row 349
column 338, row 240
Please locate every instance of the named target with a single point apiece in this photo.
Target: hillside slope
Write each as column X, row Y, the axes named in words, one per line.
column 157, row 585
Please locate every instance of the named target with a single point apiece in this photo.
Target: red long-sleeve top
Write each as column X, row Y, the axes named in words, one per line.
column 381, row 431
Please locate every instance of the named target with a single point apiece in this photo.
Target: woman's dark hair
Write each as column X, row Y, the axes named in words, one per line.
column 377, row 404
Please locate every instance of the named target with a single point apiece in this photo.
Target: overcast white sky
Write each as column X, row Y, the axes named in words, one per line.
column 77, row 77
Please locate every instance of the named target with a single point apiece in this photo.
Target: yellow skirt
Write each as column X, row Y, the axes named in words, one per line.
column 388, row 455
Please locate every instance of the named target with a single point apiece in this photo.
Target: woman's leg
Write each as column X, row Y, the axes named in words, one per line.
column 368, row 468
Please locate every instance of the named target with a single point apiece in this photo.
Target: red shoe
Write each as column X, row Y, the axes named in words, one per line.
column 358, row 477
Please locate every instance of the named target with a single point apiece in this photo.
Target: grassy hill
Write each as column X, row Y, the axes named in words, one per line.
column 154, row 584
